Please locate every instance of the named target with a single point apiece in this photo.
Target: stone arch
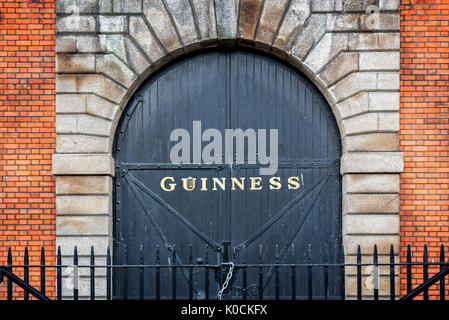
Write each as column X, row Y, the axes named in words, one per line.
column 107, row 49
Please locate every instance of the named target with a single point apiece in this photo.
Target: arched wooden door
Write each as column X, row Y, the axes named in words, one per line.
column 227, row 90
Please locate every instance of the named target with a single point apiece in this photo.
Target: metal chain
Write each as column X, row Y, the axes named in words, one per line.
column 228, row 278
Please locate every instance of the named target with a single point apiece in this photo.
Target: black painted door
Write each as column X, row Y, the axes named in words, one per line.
column 231, row 89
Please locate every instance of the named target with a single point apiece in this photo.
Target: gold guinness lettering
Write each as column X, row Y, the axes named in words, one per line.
column 171, row 187
column 169, row 184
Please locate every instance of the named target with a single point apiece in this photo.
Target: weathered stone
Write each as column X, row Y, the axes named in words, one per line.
column 97, row 106
column 131, row 6
column 339, row 22
column 354, row 83
column 389, row 5
column 368, row 286
column 327, row 5
column 383, row 101
column 66, row 123
column 83, row 164
column 367, row 243
column 136, row 59
column 76, row 23
column 311, row 33
column 372, row 122
column 371, row 224
column 82, row 226
column 110, row 65
column 88, row 44
column 364, row 123
column 75, row 63
column 182, row 14
column 388, row 122
column 83, row 205
column 83, row 124
column 360, row 5
column 372, row 142
column 104, row 6
column 112, row 23
column 139, row 31
column 371, row 183
column 66, row 44
column 371, row 203
column 379, row 61
column 76, row 7
column 158, row 18
column 297, row 13
column 386, row 22
column 343, row 65
column 100, row 259
column 83, row 287
column 389, row 41
column 90, row 83
column 353, row 106
column 249, row 12
column 372, row 162
column 83, row 244
column 205, row 15
column 71, row 103
column 113, row 43
column 66, row 185
column 270, row 18
column 329, row 47
column 367, row 258
column 363, row 41
column 81, row 144
column 226, row 19
column 388, row 81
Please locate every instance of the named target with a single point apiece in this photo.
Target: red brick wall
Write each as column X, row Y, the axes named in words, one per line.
column 27, row 132
column 424, row 128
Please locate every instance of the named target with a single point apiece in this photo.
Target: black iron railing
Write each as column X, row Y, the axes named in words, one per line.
column 225, row 270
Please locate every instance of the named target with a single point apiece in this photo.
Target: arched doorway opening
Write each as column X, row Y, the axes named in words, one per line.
column 175, row 213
